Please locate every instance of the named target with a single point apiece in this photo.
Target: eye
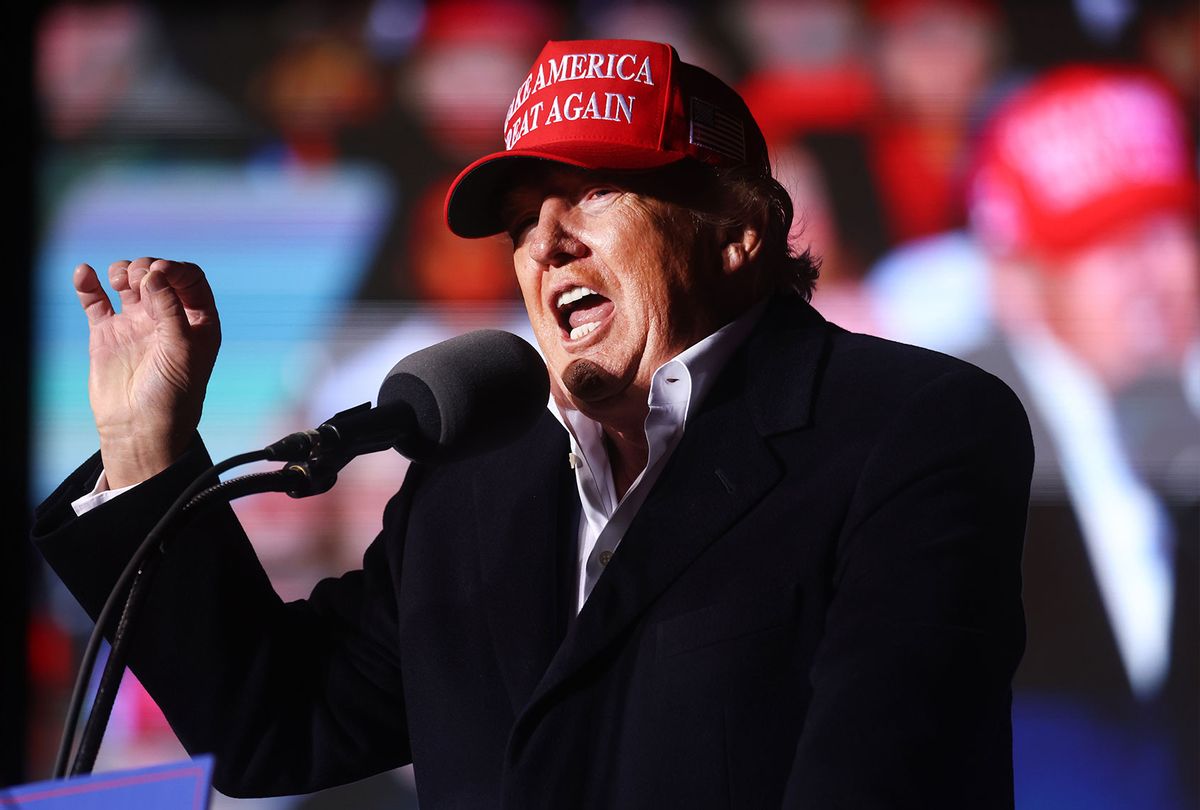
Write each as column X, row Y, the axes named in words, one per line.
column 598, row 197
column 519, row 225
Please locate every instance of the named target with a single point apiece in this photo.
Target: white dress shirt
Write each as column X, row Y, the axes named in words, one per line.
column 99, row 494
column 1125, row 528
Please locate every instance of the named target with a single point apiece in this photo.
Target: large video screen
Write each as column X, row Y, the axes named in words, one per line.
column 300, row 154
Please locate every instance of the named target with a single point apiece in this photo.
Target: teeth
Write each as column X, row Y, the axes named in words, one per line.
column 573, row 294
column 583, row 329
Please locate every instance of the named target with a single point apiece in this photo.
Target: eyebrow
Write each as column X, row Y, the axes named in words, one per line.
column 513, row 203
column 540, row 182
column 545, row 180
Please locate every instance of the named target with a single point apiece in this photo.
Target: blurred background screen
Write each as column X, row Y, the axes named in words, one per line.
column 1014, row 184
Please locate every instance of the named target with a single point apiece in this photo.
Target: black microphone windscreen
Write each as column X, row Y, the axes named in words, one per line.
column 468, row 394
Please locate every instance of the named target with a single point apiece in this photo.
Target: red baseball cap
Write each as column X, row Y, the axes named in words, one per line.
column 1077, row 154
column 607, row 104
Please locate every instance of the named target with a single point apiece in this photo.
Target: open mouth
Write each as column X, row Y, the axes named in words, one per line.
column 581, row 311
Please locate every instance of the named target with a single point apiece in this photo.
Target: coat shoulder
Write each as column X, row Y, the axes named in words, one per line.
column 873, row 369
column 891, row 362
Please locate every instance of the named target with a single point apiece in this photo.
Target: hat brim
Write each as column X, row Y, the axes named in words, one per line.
column 473, row 202
column 1111, row 212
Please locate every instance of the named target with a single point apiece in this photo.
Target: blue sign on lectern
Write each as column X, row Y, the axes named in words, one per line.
column 177, row 786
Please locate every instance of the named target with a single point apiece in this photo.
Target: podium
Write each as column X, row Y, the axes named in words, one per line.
column 182, row 785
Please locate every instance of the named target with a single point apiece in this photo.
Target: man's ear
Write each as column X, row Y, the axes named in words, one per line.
column 740, row 247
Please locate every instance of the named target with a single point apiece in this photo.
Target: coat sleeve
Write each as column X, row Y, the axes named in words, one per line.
column 911, row 701
column 290, row 697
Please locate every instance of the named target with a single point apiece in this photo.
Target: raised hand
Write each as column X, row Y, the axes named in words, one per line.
column 150, row 363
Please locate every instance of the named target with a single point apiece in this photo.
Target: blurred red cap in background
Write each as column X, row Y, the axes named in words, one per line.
column 1076, row 154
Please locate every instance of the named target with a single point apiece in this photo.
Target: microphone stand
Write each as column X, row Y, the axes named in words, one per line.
column 410, row 417
column 299, row 479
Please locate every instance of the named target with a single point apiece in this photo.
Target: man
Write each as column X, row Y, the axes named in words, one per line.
column 767, row 563
column 1085, row 203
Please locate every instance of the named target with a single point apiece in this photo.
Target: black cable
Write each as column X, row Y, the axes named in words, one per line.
column 289, row 478
column 119, row 591
column 110, row 679
column 292, row 477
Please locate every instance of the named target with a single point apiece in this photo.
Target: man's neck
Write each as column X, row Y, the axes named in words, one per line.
column 627, row 455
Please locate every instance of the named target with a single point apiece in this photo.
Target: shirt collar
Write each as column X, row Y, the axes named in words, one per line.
column 685, row 379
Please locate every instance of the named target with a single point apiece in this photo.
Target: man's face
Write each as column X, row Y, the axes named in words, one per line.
column 1129, row 303
column 616, row 283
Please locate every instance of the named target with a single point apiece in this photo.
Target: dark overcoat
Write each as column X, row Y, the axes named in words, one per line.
column 817, row 606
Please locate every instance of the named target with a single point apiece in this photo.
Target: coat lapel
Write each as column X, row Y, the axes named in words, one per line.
column 721, row 468
column 522, row 543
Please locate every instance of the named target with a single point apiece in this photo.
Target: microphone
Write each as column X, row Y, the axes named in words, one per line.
column 454, row 399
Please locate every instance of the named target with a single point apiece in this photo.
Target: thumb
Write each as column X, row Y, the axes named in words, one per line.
column 163, row 304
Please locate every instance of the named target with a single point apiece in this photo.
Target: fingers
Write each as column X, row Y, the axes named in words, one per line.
column 191, row 287
column 126, row 278
column 135, row 273
column 170, row 291
column 161, row 301
column 91, row 294
column 118, row 277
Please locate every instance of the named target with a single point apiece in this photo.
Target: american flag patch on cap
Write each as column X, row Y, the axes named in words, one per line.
column 716, row 130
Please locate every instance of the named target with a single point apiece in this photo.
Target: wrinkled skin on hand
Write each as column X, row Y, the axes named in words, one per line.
column 149, row 363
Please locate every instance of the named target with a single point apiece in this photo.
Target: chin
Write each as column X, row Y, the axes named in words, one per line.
column 590, row 382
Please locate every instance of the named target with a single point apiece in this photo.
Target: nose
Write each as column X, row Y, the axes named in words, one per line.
column 552, row 241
